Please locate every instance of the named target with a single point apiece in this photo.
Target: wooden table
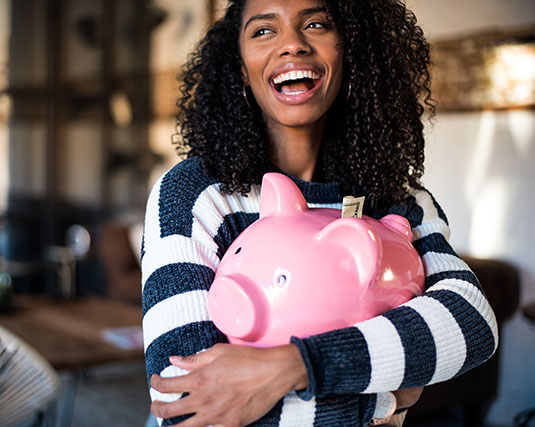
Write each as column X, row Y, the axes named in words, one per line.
column 68, row 333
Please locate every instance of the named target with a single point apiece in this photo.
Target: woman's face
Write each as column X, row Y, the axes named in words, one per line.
column 292, row 59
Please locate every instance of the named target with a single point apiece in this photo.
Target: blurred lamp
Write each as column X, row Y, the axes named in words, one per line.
column 78, row 240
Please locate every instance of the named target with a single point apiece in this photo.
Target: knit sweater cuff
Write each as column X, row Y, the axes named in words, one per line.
column 337, row 362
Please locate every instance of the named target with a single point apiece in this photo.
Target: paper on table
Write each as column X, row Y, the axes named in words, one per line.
column 127, row 338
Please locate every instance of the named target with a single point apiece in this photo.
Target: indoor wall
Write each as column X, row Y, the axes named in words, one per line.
column 480, row 165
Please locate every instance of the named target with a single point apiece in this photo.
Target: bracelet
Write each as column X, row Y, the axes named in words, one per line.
column 385, row 407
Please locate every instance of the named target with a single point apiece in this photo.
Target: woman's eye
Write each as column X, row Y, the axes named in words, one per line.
column 261, row 32
column 317, row 25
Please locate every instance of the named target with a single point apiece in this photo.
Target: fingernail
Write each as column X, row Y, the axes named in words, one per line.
column 175, row 359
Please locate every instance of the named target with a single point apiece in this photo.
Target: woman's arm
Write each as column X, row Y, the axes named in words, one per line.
column 432, row 338
column 179, row 259
column 232, row 385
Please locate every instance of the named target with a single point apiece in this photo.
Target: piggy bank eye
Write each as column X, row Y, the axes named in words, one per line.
column 281, row 280
column 237, row 251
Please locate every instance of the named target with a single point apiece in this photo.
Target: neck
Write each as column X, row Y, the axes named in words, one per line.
column 295, row 150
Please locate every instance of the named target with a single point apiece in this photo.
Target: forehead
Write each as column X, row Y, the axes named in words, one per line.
column 279, row 7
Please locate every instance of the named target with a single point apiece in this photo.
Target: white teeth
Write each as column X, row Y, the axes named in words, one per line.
column 297, row 92
column 296, row 75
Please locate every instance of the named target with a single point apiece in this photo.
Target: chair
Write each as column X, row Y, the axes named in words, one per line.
column 27, row 381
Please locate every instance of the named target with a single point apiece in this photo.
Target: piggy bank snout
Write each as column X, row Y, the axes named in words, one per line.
column 237, row 308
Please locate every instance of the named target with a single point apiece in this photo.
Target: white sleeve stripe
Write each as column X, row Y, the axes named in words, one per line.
column 474, row 296
column 431, row 222
column 297, row 412
column 435, row 262
column 163, row 397
column 174, row 312
column 213, row 218
column 385, row 348
column 425, row 201
column 439, row 318
column 423, row 230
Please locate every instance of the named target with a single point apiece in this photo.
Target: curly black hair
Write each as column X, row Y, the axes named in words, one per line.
column 373, row 141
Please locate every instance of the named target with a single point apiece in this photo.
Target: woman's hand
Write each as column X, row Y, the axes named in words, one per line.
column 230, row 385
column 405, row 398
column 408, row 396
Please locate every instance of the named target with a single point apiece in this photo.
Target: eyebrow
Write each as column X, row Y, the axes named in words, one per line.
column 302, row 13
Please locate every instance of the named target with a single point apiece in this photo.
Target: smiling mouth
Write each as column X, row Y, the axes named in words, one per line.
column 296, row 82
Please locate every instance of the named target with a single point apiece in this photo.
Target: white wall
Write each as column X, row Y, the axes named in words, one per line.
column 481, row 168
column 446, row 18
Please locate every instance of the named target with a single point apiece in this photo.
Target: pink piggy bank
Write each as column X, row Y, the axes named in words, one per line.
column 299, row 271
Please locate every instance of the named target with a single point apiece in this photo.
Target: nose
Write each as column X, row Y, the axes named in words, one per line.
column 293, row 43
column 237, row 308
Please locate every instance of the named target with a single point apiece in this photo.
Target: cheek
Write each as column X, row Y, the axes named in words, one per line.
column 337, row 64
column 251, row 64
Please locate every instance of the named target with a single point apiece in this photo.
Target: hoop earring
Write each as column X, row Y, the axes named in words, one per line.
column 348, row 92
column 244, row 91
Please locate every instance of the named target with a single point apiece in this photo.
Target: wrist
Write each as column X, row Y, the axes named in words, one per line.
column 385, row 407
column 295, row 370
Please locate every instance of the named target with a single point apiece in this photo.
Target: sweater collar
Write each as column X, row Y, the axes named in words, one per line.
column 315, row 192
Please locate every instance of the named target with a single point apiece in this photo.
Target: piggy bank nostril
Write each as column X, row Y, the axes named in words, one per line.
column 216, row 300
column 237, row 251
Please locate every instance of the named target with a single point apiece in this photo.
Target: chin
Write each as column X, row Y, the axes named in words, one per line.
column 298, row 118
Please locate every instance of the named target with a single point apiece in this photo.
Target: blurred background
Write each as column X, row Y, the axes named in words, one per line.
column 87, row 106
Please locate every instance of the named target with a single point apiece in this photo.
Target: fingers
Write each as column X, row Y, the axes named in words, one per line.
column 408, row 397
column 196, row 361
column 188, row 363
column 168, row 409
column 197, row 408
column 170, row 384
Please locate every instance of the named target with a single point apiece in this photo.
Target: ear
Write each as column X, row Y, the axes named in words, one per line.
column 280, row 196
column 244, row 74
column 359, row 240
column 399, row 224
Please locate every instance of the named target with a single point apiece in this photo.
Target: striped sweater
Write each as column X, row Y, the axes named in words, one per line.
column 448, row 330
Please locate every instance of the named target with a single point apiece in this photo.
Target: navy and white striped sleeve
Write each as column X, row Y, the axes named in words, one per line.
column 432, row 338
column 179, row 259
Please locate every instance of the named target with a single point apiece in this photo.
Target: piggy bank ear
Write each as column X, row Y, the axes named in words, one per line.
column 399, row 224
column 280, row 196
column 359, row 241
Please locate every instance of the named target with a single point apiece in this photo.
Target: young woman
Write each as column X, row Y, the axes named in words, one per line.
column 332, row 94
